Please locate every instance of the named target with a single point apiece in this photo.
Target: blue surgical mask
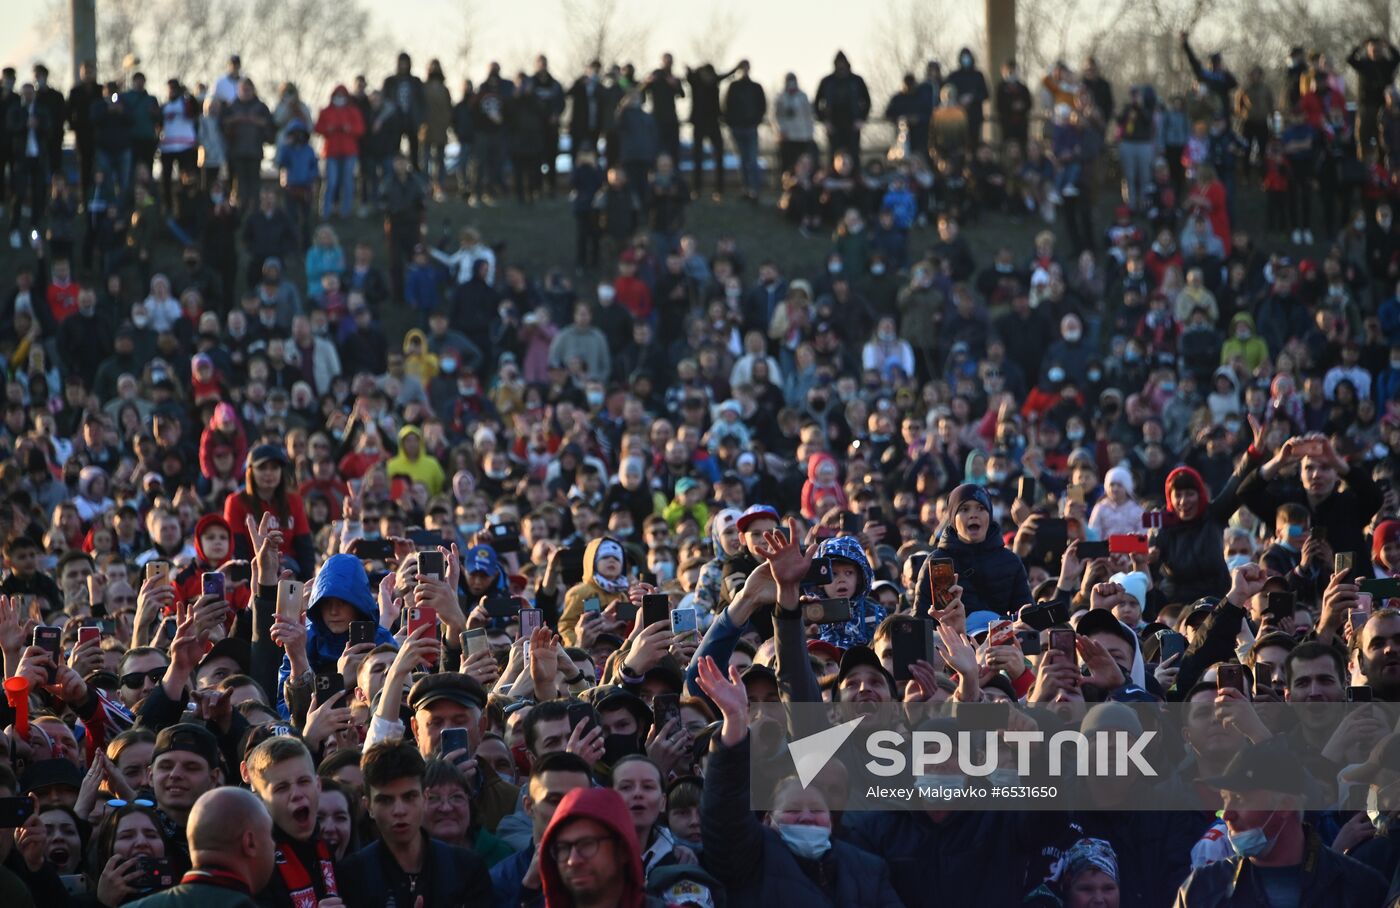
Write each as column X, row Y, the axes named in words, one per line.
column 664, row 570
column 1235, row 562
column 809, row 842
column 1252, row 843
column 467, row 529
column 1168, row 387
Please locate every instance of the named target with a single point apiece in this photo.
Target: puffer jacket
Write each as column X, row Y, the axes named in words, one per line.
column 758, row 870
column 991, row 576
column 1190, row 561
column 1327, row 878
column 866, row 613
column 581, row 592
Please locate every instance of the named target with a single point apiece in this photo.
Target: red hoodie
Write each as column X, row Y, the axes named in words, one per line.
column 189, row 582
column 812, row 488
column 603, row 806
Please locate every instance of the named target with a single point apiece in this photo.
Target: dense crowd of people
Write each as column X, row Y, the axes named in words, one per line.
column 295, row 614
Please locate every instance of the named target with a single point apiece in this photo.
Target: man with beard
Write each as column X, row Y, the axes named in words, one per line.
column 1378, row 654
column 282, row 773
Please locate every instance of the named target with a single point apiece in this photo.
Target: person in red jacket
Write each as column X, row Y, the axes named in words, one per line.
column 341, row 125
column 213, row 548
column 268, row 489
column 631, row 291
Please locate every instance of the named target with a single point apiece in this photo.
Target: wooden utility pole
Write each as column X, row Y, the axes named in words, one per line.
column 84, row 15
column 1001, row 46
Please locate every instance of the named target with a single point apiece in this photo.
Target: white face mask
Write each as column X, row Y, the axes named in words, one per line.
column 810, row 842
column 339, row 102
column 605, row 293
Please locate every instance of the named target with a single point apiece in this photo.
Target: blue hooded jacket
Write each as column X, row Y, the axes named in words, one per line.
column 866, row 614
column 341, row 577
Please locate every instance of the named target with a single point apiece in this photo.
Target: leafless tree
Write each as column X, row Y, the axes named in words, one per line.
column 711, row 43
column 905, row 37
column 602, row 30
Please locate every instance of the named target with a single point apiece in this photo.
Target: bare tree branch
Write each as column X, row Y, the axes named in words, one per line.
column 711, row 43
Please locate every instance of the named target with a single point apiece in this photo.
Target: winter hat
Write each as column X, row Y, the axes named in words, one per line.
column 224, row 415
column 1134, row 583
column 608, row 547
column 1387, row 531
column 968, row 492
column 1123, row 476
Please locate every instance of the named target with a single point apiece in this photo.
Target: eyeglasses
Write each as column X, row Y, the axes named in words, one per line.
column 134, row 679
column 585, row 848
column 116, row 803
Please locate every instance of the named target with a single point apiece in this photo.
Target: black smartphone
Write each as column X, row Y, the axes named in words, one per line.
column 1052, row 535
column 14, row 811
column 578, row 712
column 328, row 684
column 1025, row 489
column 850, row 523
column 1318, row 533
column 570, row 564
column 155, row 873
column 505, row 538
column 501, row 606
column 1360, row 693
column 1044, row 617
column 656, row 608
column 432, row 564
column 1281, row 605
column 827, row 611
column 426, row 539
column 455, row 739
column 237, row 571
column 1088, row 549
column 1381, row 587
column 912, row 640
column 665, row 707
column 819, row 574
column 48, row 638
column 875, row 515
column 373, row 549
column 362, row 632
column 1030, row 642
column 1170, row 643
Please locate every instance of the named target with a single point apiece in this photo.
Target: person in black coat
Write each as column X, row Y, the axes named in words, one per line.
column 1186, row 552
column 971, row 87
column 842, row 105
column 745, row 107
column 587, row 110
column 704, row 123
column 991, row 576
column 405, row 91
column 663, row 87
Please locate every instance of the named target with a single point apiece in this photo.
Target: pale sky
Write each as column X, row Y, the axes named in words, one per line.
column 778, row 35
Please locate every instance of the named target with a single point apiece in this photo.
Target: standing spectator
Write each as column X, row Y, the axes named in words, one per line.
column 744, row 107
column 1300, row 147
column 405, row 91
column 377, row 146
column 437, row 117
column 404, row 201
column 1214, row 79
column 1254, row 105
column 145, row 114
column 1375, row 63
column 843, row 104
column 26, row 125
column 704, row 125
column 585, row 182
column 796, row 125
column 1136, row 148
column 341, row 126
column 179, row 137
column 492, row 99
column 587, row 113
column 268, row 233
column 549, row 104
column 1013, row 106
column 226, row 88
column 81, row 98
column 465, row 129
column 525, row 127
column 212, row 155
column 971, row 87
column 247, row 126
column 663, row 88
column 51, row 101
column 298, row 169
column 639, row 141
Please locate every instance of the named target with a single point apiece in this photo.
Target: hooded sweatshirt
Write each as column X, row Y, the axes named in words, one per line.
column 1253, row 350
column 1109, row 519
column 589, row 588
column 1226, row 403
column 866, row 613
column 992, row 577
column 812, row 487
column 424, row 468
column 603, row 806
column 341, row 577
column 189, row 582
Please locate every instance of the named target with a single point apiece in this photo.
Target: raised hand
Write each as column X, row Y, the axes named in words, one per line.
column 786, row 558
column 729, row 695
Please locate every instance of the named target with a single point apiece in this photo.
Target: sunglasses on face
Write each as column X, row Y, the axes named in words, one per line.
column 133, row 680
